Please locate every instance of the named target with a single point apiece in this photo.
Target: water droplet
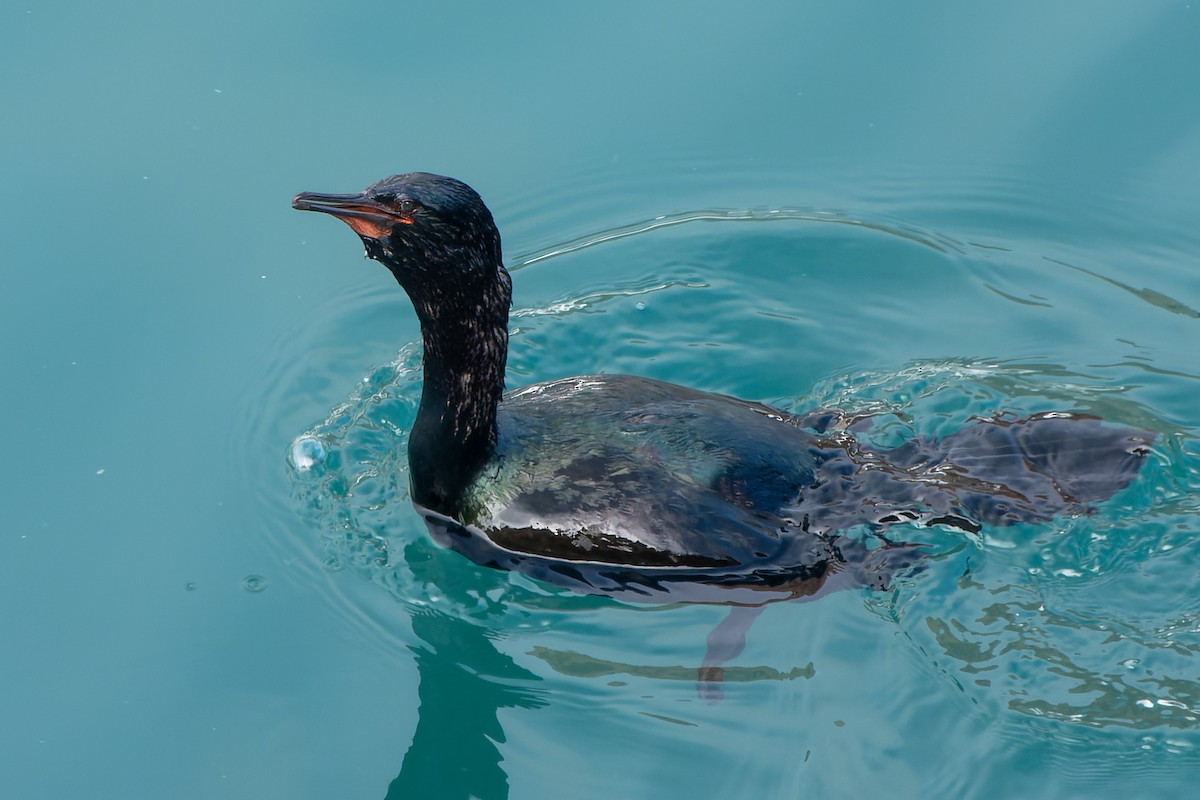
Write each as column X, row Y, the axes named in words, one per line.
column 254, row 583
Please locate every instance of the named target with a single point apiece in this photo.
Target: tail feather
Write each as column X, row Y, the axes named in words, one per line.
column 1023, row 470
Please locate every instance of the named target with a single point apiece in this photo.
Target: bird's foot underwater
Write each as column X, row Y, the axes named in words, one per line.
column 725, row 643
column 873, row 568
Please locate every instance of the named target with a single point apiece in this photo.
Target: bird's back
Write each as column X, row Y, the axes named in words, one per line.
column 632, row 471
column 599, row 481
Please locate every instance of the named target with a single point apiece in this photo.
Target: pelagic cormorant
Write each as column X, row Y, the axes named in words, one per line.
column 621, row 484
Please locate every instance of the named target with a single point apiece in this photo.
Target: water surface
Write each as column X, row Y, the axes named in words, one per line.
column 924, row 211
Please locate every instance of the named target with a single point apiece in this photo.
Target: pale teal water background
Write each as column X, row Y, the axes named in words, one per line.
column 186, row 615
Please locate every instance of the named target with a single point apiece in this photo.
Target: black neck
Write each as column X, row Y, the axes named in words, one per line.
column 465, row 332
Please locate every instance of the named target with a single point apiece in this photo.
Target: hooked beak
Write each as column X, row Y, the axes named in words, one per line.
column 365, row 217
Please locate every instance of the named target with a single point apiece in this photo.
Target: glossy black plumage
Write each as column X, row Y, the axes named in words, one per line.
column 629, row 485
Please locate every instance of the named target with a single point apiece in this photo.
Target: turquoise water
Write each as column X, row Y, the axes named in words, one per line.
column 927, row 212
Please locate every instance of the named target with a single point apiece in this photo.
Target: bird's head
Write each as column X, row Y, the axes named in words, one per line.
column 427, row 229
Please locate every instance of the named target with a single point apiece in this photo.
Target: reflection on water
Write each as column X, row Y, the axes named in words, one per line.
column 1151, row 296
column 465, row 681
column 927, row 238
column 580, row 665
column 1005, row 634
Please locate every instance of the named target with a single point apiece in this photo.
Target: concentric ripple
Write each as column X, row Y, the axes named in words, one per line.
column 1044, row 622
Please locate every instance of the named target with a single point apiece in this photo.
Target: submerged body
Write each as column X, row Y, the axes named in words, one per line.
column 627, row 485
column 660, row 491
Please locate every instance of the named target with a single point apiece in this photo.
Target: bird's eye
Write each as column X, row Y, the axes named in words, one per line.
column 406, row 206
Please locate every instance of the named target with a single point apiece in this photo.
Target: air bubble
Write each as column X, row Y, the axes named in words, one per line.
column 307, row 453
